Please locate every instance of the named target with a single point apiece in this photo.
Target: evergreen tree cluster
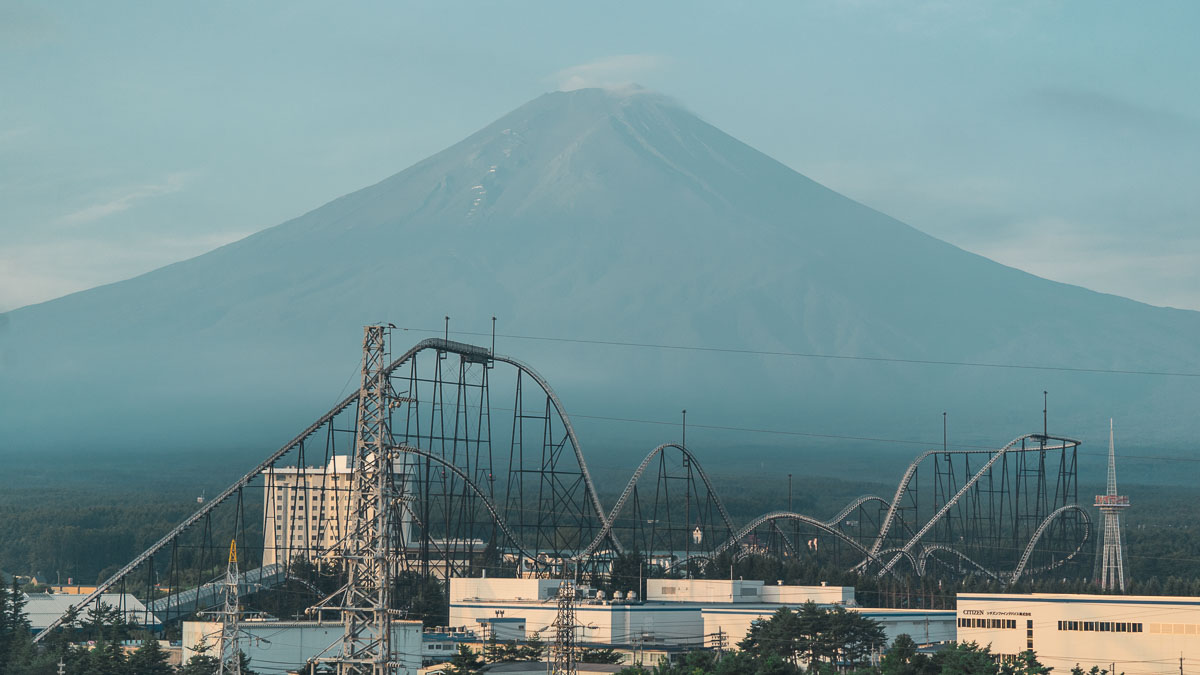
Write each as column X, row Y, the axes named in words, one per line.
column 104, row 627
column 902, row 658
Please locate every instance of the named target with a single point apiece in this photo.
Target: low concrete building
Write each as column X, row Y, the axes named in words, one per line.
column 720, row 591
column 925, row 626
column 43, row 608
column 283, row 646
column 1131, row 634
column 439, row 645
column 676, row 614
column 601, row 622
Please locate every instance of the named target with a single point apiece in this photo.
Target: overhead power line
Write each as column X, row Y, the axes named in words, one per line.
column 836, row 437
column 813, row 355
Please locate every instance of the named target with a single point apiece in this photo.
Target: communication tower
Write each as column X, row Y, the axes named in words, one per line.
column 1111, row 575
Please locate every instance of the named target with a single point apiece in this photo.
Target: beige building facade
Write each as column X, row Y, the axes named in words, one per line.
column 1136, row 635
column 306, row 511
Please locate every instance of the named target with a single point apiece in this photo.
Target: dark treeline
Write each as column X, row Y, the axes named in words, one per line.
column 83, row 524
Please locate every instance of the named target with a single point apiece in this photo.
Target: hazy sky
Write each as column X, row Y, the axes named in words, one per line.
column 1062, row 138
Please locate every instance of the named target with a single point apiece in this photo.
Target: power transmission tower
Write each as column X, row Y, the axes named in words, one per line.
column 364, row 602
column 1112, row 557
column 229, row 655
column 562, row 652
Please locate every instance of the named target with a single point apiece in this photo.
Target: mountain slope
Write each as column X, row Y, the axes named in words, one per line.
column 603, row 216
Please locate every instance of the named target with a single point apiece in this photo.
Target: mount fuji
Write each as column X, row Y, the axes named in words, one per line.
column 615, row 217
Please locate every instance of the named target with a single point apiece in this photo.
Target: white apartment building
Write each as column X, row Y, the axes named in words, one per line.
column 1136, row 635
column 306, row 510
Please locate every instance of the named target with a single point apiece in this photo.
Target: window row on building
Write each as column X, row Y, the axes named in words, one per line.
column 987, row 623
column 1101, row 626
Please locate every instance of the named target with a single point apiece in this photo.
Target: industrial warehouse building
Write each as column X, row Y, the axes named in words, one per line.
column 42, row 609
column 676, row 613
column 1131, row 634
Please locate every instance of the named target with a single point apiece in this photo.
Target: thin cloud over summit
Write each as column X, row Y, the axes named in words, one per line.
column 613, row 72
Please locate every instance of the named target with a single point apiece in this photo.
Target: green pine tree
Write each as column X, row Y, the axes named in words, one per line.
column 465, row 662
column 149, row 659
column 597, row 655
column 533, row 649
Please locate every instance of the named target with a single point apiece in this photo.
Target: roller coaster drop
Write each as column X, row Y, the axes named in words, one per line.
column 527, row 505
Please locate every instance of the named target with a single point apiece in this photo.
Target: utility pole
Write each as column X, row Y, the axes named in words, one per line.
column 562, row 653
column 1045, row 407
column 364, row 602
column 492, row 356
column 230, row 656
column 687, row 519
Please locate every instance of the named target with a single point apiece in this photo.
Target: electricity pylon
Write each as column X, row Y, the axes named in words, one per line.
column 229, row 655
column 562, row 652
column 364, row 602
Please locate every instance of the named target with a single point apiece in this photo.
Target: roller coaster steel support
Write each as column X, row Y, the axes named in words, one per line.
column 1024, row 507
column 829, row 527
column 630, row 488
column 1037, row 535
column 446, row 516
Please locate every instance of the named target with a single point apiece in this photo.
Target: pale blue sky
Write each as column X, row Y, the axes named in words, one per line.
column 1059, row 137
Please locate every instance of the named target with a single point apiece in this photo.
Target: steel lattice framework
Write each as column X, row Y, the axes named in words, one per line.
column 562, row 652
column 1111, row 560
column 228, row 654
column 474, row 465
column 367, row 549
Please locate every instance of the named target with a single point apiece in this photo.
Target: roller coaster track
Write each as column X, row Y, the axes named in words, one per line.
column 566, row 421
column 854, row 505
column 487, row 503
column 799, row 517
column 629, row 487
column 698, row 557
column 873, row 554
column 1087, row 520
column 928, row 551
column 912, row 468
column 909, row 474
column 880, row 556
column 473, row 352
column 829, row 526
